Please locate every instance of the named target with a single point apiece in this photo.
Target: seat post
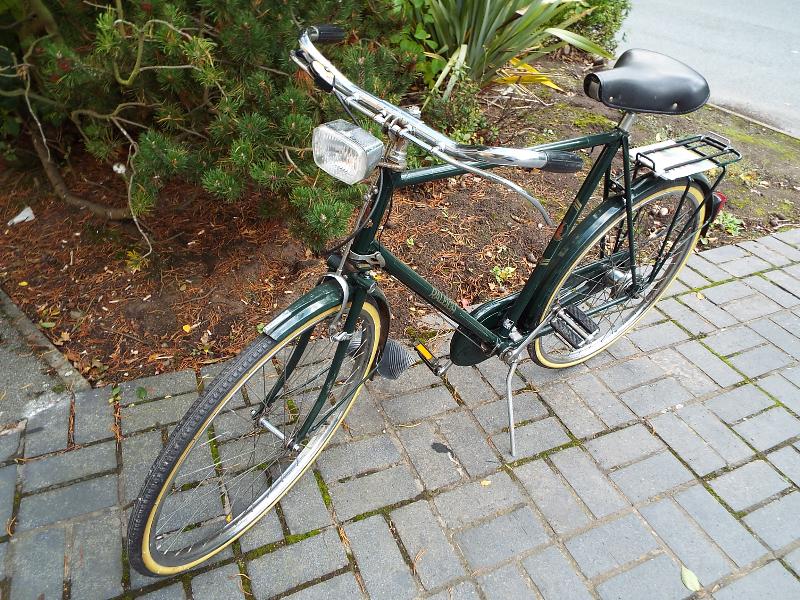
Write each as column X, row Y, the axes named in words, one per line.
column 627, row 121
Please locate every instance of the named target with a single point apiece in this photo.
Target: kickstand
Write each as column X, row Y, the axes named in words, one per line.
column 510, row 399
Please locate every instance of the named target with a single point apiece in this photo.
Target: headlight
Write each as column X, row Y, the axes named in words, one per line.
column 345, row 151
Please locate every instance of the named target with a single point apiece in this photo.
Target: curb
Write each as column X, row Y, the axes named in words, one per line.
column 44, row 349
column 752, row 120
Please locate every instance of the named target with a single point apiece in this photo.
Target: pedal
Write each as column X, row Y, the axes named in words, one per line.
column 574, row 326
column 437, row 366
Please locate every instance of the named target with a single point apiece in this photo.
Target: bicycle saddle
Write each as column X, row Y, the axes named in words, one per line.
column 648, row 82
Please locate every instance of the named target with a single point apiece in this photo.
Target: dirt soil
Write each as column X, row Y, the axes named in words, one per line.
column 219, row 270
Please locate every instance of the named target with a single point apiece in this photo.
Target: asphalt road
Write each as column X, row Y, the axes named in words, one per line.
column 748, row 51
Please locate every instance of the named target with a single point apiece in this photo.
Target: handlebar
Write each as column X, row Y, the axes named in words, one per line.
column 403, row 124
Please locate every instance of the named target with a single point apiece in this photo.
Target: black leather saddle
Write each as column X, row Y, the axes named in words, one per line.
column 649, row 82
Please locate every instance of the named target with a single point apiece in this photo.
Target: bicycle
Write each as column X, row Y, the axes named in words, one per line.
column 263, row 421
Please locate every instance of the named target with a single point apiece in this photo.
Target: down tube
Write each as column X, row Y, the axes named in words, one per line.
column 419, row 285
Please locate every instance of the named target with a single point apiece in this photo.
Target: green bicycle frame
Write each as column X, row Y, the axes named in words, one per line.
column 520, row 309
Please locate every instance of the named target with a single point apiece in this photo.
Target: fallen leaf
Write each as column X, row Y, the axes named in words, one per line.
column 700, row 296
column 486, row 483
column 187, row 328
column 690, row 580
column 22, row 283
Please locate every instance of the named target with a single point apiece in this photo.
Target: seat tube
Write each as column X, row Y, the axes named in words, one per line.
column 626, row 165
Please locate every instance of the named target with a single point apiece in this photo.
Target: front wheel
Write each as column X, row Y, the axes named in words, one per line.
column 229, row 462
column 598, row 279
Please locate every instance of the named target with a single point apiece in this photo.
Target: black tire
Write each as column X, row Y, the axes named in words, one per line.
column 594, row 292
column 231, row 388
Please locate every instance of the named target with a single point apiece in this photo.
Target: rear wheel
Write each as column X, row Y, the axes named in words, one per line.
column 224, row 467
column 666, row 227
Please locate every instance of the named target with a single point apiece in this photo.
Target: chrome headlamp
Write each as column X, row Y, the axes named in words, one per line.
column 345, row 151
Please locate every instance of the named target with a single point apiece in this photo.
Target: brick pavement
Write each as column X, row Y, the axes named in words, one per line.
column 680, row 447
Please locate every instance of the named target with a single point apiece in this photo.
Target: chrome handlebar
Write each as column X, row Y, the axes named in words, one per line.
column 402, row 123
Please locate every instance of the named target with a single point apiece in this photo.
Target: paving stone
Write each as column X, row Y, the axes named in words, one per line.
column 686, row 540
column 505, row 583
column 471, row 501
column 787, row 460
column 718, row 523
column 38, row 565
column 171, row 592
column 772, row 291
column 655, row 397
column 693, row 449
column 651, row 317
column 385, row 573
column 782, row 389
column 707, row 309
column 469, row 386
column 47, row 430
column 723, row 254
column 419, row 405
column 157, row 386
column 151, row 414
column 745, row 266
column 292, row 565
column 94, row 565
column 435, row 560
column 341, row 586
column 415, row 378
column 267, row 530
column 603, row 403
column 687, row 318
column 611, row 545
column 82, row 462
column 540, row 376
column 501, row 538
column 494, row 416
column 706, row 268
column 790, row 236
column 651, row 476
column 373, row 491
column 303, row 507
column 658, row 336
column 623, row 446
column 94, row 416
column 622, row 348
column 465, row 590
column 555, row 501
column 711, row 365
column 781, row 247
column 738, row 403
column 588, row 482
column 554, row 576
column 692, row 278
column 784, row 281
column 752, row 307
column 771, row 580
column 748, row 485
column 469, row 444
column 769, row 428
column 224, row 582
column 765, row 252
column 630, row 374
column 496, row 373
column 533, row 439
column 569, row 407
column 777, row 523
column 657, row 579
column 676, row 288
column 67, row 502
column 789, row 320
column 3, row 553
column 8, row 487
column 432, row 462
column 138, row 454
column 723, row 441
column 733, row 339
column 778, row 336
column 9, row 443
column 793, row 560
column 363, row 418
column 354, row 458
column 690, row 376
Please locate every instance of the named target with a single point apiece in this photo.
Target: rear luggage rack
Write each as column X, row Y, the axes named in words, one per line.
column 673, row 159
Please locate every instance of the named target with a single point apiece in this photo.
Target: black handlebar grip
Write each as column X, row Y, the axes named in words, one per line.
column 559, row 161
column 327, row 34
